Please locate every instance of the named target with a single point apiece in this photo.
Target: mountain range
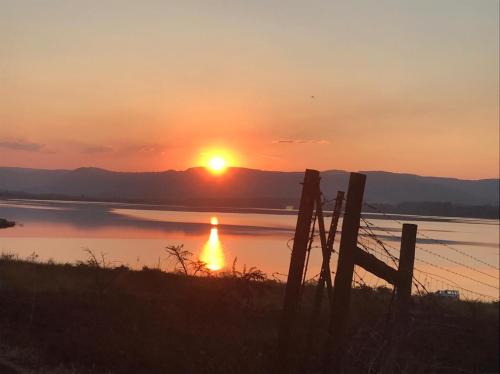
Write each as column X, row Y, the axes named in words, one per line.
column 238, row 186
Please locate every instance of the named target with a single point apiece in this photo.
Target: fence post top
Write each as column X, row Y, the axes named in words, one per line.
column 410, row 226
column 312, row 172
column 357, row 175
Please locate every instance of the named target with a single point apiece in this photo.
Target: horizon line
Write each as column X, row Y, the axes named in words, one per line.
column 246, row 168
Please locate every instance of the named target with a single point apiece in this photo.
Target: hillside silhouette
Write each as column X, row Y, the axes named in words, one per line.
column 239, row 186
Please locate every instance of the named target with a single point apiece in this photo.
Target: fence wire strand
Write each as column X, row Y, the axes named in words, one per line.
column 368, row 233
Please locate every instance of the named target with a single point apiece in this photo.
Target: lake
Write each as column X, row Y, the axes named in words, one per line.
column 466, row 256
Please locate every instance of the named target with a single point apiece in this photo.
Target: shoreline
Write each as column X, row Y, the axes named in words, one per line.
column 243, row 210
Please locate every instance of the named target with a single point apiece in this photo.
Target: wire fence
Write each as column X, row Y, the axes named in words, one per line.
column 475, row 278
column 450, row 272
column 430, row 282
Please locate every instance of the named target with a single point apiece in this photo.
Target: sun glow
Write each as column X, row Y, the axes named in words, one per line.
column 212, row 254
column 217, row 164
column 217, row 160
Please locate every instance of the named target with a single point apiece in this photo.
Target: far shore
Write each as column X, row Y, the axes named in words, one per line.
column 429, row 211
column 5, row 223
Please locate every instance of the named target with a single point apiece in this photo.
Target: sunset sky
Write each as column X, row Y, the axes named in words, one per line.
column 403, row 86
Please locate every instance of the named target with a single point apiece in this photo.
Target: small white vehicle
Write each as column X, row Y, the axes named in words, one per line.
column 454, row 294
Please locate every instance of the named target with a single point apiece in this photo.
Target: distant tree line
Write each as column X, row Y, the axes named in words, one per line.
column 5, row 223
column 426, row 208
column 431, row 208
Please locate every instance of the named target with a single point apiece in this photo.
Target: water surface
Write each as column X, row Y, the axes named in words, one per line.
column 136, row 235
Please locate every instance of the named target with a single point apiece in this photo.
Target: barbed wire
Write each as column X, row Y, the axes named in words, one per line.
column 309, row 247
column 437, row 241
column 367, row 222
column 431, row 275
column 453, row 261
column 419, row 284
column 383, row 248
column 361, row 281
column 368, row 230
column 455, row 273
column 454, row 284
column 438, row 279
column 458, row 251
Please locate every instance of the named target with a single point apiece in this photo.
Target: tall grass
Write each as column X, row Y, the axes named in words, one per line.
column 92, row 317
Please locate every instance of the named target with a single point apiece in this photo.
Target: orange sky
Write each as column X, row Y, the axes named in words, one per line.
column 400, row 86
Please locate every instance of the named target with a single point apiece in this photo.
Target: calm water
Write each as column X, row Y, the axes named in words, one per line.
column 135, row 235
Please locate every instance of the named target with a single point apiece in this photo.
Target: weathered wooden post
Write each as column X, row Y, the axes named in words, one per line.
column 325, row 276
column 405, row 272
column 343, row 278
column 286, row 345
column 327, row 247
column 335, row 219
column 404, row 282
column 325, row 266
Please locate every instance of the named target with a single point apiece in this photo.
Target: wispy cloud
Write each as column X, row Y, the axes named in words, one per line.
column 92, row 149
column 146, row 148
column 21, row 145
column 120, row 149
column 300, row 141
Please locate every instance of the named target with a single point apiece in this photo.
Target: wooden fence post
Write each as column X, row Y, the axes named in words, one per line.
column 401, row 318
column 343, row 278
column 325, row 276
column 286, row 345
column 405, row 271
column 335, row 219
column 325, row 265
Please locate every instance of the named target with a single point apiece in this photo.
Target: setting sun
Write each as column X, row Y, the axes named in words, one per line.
column 217, row 160
column 217, row 164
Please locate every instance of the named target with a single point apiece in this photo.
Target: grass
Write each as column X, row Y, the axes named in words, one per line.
column 90, row 318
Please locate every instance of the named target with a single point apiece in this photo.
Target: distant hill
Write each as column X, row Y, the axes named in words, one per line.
column 238, row 186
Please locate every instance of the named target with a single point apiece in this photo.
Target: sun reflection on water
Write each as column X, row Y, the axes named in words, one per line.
column 212, row 254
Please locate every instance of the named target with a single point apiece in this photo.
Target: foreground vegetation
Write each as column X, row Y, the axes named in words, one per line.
column 87, row 318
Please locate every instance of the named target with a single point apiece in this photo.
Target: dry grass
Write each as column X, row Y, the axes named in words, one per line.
column 91, row 317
